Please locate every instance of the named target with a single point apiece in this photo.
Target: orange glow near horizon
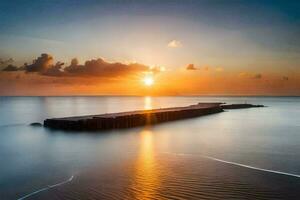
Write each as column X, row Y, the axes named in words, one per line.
column 172, row 82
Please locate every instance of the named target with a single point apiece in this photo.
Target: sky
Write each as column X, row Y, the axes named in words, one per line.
column 188, row 47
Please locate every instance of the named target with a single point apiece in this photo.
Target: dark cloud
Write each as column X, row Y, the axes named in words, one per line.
column 191, row 67
column 285, row 78
column 11, row 68
column 6, row 62
column 257, row 76
column 74, row 62
column 55, row 70
column 41, row 64
column 99, row 67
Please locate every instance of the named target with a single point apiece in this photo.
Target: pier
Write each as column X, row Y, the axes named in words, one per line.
column 138, row 118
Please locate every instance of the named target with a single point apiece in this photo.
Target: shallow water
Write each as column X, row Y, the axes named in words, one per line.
column 173, row 160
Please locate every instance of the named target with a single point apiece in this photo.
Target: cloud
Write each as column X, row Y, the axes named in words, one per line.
column 99, row 67
column 250, row 75
column 6, row 62
column 55, row 70
column 41, row 64
column 11, row 68
column 156, row 69
column 257, row 76
column 174, row 44
column 285, row 78
column 191, row 67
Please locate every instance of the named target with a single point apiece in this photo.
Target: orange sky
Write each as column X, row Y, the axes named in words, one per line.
column 203, row 80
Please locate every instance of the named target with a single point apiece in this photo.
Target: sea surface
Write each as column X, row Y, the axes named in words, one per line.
column 239, row 154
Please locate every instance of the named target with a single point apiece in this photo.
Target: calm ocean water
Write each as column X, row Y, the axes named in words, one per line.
column 240, row 154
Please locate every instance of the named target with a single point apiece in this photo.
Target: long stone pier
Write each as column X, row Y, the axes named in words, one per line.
column 137, row 118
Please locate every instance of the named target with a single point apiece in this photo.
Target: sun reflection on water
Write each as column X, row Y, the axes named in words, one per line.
column 146, row 174
column 148, row 103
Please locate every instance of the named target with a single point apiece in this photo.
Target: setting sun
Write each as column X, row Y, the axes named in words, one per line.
column 148, row 81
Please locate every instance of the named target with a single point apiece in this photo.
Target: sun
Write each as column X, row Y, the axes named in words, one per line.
column 148, row 81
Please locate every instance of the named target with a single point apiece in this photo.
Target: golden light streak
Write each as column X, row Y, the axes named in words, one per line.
column 147, row 103
column 146, row 176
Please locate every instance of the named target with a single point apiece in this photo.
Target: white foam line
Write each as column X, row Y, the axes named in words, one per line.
column 241, row 165
column 47, row 188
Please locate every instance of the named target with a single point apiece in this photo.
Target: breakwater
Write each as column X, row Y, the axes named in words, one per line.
column 136, row 118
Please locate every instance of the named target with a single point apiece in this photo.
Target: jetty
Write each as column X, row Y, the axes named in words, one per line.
column 138, row 118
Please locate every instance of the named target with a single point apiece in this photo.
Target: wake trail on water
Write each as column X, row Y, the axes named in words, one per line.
column 239, row 164
column 47, row 188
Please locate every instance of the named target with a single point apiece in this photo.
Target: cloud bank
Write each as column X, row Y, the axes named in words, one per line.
column 99, row 67
column 44, row 65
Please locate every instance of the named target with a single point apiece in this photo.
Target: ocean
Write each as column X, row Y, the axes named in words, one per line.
column 238, row 154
